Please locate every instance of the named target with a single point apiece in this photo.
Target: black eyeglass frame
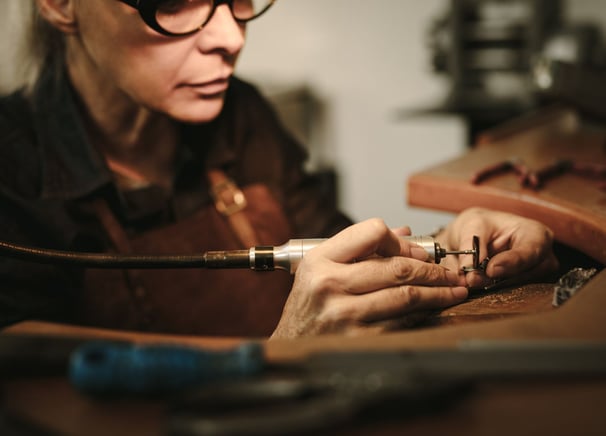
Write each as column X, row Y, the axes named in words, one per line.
column 147, row 10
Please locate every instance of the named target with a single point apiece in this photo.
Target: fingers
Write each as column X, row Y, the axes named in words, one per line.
column 368, row 276
column 516, row 246
column 374, row 274
column 481, row 281
column 393, row 303
column 527, row 250
column 369, row 238
column 335, row 293
column 360, row 241
column 402, row 231
column 547, row 265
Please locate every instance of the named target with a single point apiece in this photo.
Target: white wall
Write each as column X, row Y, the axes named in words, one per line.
column 366, row 60
column 11, row 15
column 593, row 11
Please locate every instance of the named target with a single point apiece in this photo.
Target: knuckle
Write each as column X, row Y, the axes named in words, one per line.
column 323, row 282
column 411, row 295
column 474, row 212
column 408, row 270
column 378, row 226
column 431, row 273
column 401, row 269
column 337, row 316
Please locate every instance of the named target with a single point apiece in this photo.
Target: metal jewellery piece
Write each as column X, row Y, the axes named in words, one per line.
column 570, row 283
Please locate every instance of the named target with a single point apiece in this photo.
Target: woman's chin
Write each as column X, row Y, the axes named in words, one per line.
column 202, row 111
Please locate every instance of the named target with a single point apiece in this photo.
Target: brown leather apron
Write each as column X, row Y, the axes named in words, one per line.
column 194, row 301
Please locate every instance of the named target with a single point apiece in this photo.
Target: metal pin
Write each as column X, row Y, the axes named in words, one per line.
column 459, row 252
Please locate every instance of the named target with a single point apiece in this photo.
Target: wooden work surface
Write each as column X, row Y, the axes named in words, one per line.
column 573, row 206
column 554, row 407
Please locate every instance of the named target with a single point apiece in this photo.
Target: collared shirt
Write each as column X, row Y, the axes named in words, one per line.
column 49, row 169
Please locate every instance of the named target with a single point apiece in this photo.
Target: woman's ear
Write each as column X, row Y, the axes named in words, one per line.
column 59, row 13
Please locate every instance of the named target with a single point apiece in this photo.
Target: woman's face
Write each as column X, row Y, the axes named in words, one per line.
column 182, row 77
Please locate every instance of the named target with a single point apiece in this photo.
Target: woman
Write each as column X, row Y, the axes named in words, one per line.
column 134, row 136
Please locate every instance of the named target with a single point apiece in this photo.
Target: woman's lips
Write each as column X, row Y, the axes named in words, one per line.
column 210, row 88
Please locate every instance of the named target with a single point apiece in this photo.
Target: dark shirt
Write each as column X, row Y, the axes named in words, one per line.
column 49, row 170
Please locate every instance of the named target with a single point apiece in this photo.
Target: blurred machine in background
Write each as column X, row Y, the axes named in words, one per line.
column 506, row 57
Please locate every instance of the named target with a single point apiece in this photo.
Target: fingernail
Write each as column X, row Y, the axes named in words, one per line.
column 460, row 292
column 474, row 280
column 419, row 253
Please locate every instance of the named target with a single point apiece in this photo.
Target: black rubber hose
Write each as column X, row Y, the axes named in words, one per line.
column 101, row 260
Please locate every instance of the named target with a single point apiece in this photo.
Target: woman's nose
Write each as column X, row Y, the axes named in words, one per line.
column 222, row 32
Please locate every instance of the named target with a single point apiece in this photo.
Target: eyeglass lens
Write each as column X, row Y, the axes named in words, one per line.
column 179, row 16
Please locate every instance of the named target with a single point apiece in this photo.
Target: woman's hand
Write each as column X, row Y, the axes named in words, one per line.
column 518, row 247
column 365, row 279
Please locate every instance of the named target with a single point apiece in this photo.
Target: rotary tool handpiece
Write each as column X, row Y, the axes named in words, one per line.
column 289, row 255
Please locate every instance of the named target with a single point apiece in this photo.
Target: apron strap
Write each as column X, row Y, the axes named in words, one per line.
column 230, row 201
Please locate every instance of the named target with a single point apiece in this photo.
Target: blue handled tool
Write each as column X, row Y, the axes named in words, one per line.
column 106, row 367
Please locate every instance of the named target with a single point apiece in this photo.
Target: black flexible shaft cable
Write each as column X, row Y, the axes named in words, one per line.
column 101, row 260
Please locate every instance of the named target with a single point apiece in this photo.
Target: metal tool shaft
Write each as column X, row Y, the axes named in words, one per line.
column 448, row 252
column 433, row 248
